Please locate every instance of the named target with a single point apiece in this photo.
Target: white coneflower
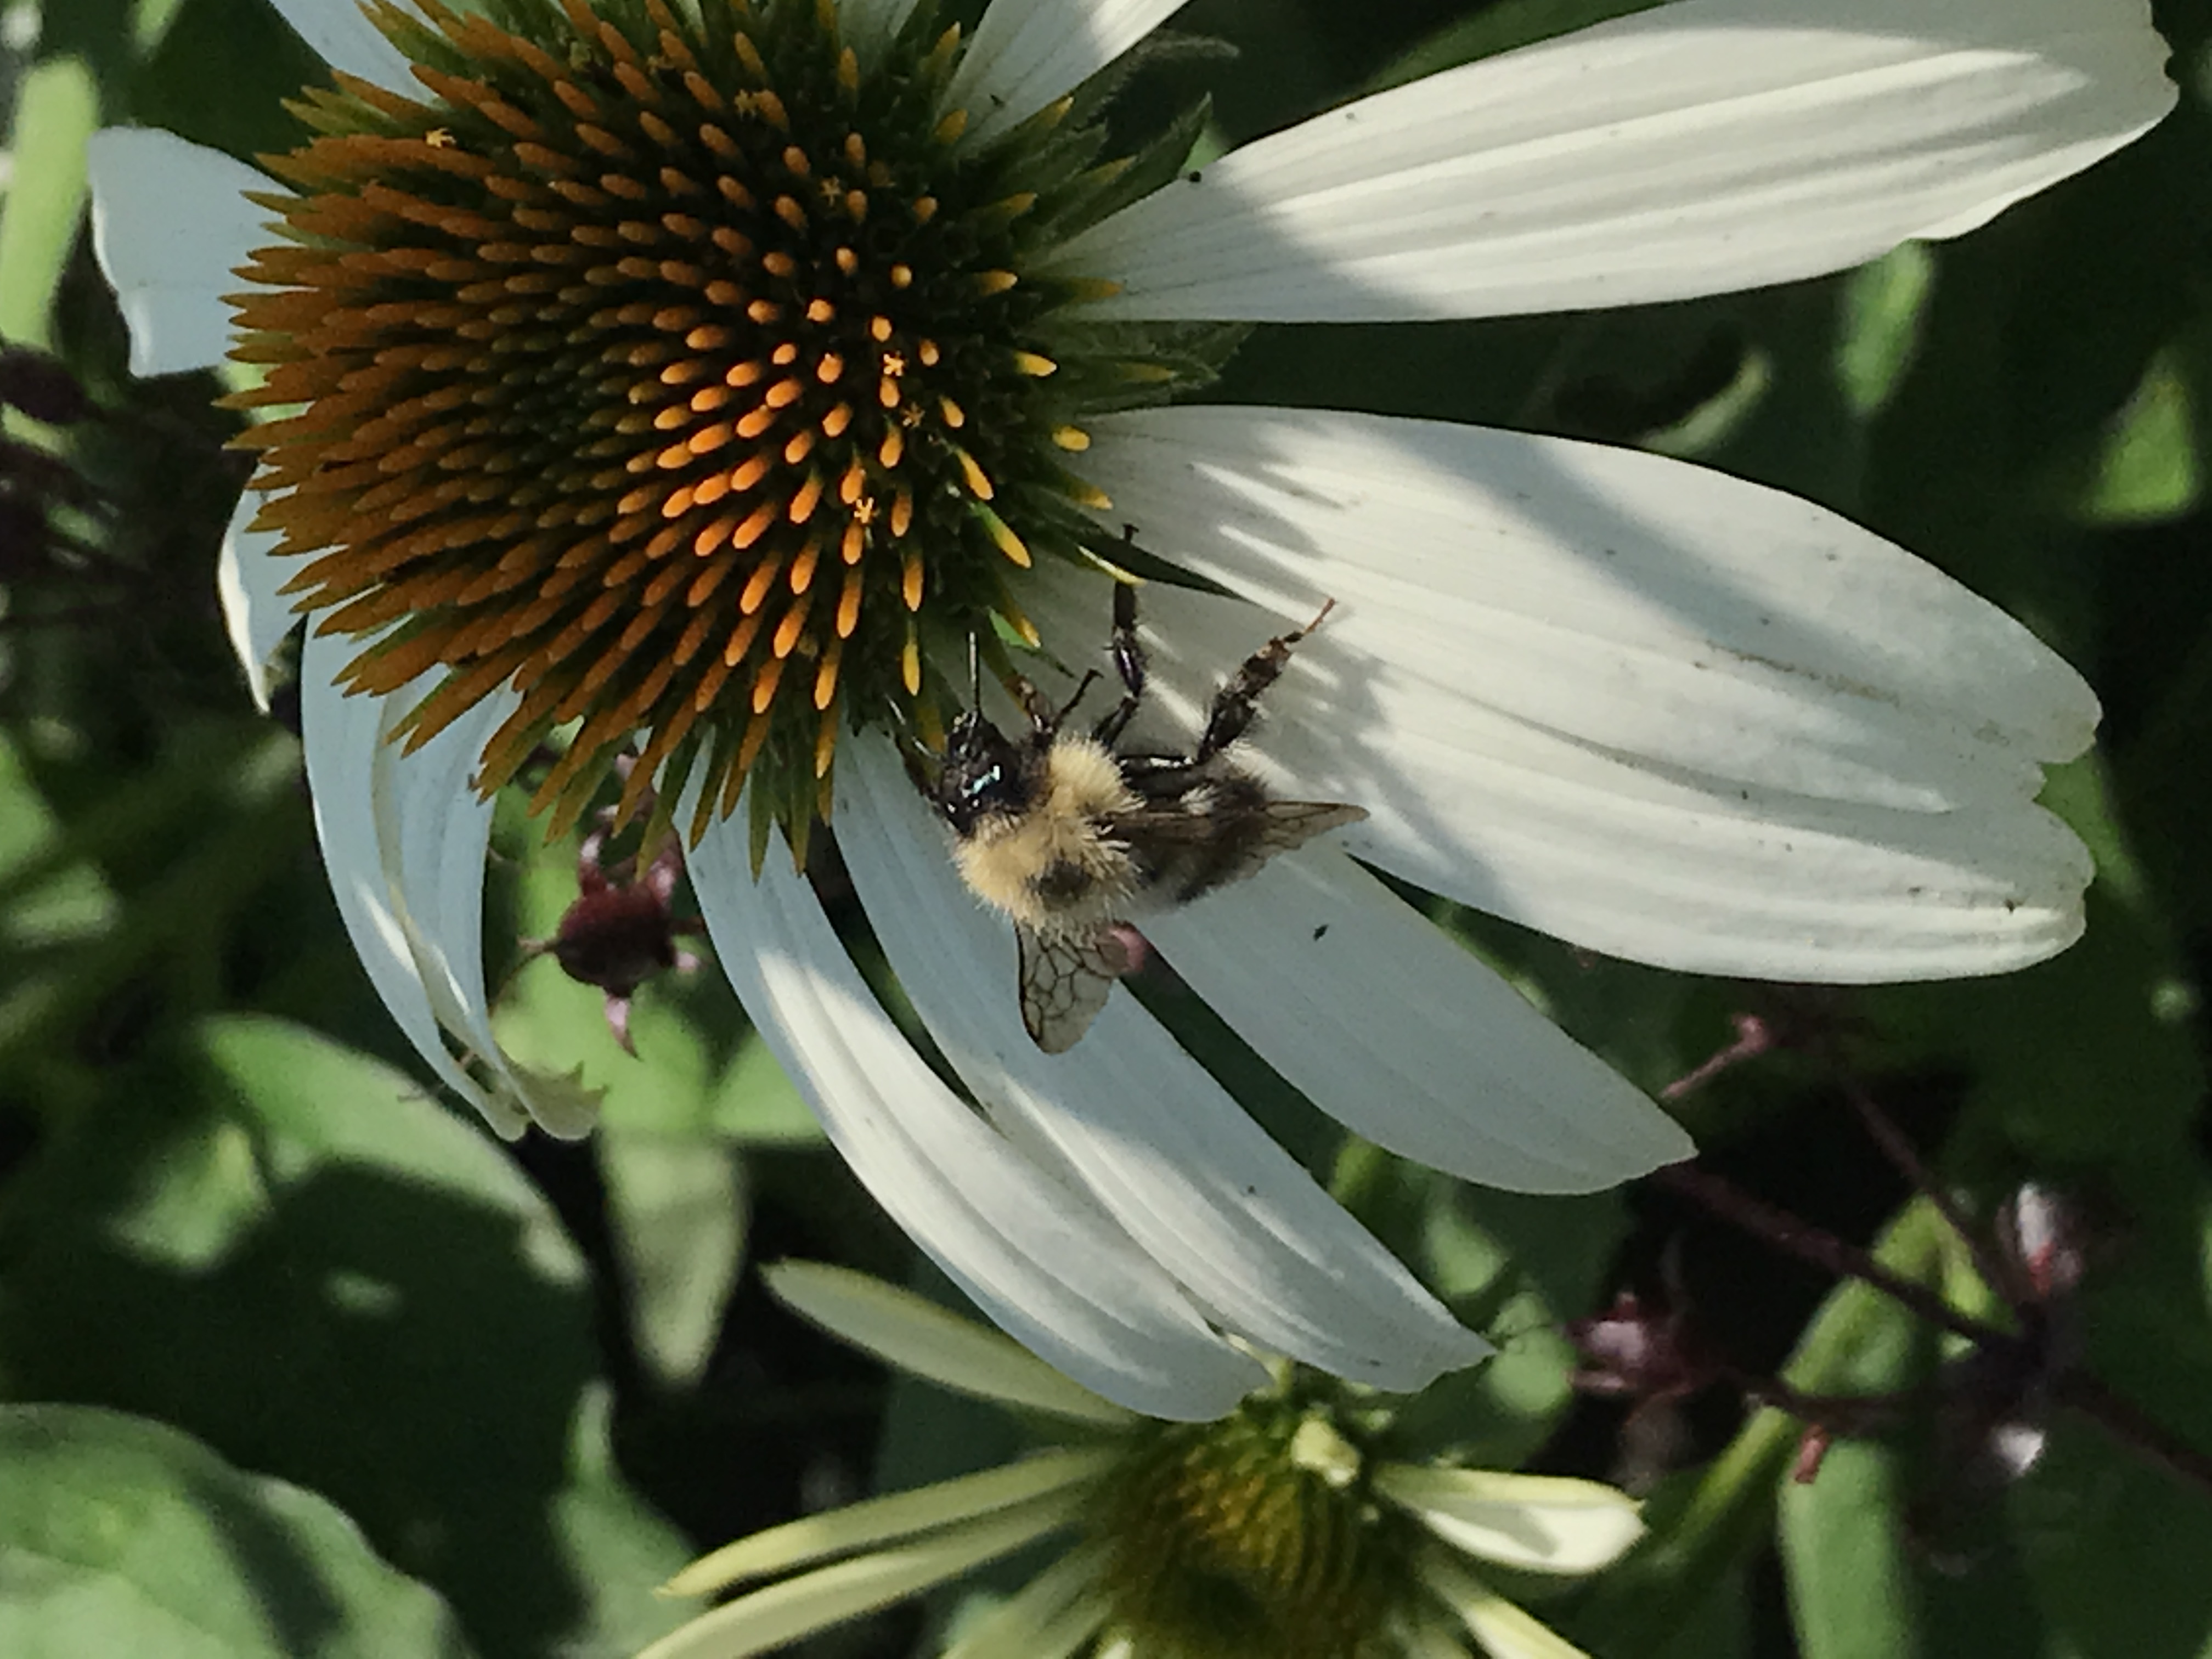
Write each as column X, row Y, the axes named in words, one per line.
column 1283, row 1528
column 698, row 382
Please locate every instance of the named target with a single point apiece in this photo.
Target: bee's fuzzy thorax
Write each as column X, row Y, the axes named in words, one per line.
column 1055, row 867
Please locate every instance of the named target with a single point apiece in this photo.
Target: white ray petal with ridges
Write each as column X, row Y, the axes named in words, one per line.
column 348, row 761
column 869, row 26
column 169, row 226
column 1608, row 850
column 1043, row 1264
column 919, row 1337
column 435, row 830
column 1695, row 148
column 1543, row 1523
column 248, row 582
column 346, row 40
column 1159, row 1142
column 1406, row 1038
column 769, row 1618
column 1028, row 52
column 1636, row 603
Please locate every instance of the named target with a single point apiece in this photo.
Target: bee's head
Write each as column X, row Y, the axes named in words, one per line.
column 982, row 775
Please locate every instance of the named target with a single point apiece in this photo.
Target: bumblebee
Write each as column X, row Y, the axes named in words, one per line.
column 1072, row 835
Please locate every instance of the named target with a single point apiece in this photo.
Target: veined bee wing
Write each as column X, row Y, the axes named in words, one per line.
column 1065, row 981
column 1290, row 823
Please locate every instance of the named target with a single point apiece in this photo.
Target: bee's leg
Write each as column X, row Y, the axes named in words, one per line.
column 1230, row 716
column 1044, row 719
column 1128, row 663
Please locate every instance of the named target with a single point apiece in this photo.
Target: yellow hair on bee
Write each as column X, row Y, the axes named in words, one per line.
column 1054, row 868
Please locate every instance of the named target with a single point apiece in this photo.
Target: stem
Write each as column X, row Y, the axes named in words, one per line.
column 1823, row 1250
column 2126, row 1424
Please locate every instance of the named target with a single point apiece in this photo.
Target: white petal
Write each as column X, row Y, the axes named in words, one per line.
column 1162, row 1146
column 918, row 1336
column 169, row 225
column 1694, row 149
column 1049, row 1618
column 436, row 830
column 877, row 1521
column 1502, row 1630
column 869, row 26
column 348, row 40
column 769, row 1618
column 1039, row 1261
column 1541, row 1523
column 1773, row 825
column 1028, row 52
column 346, row 751
column 247, row 579
column 1639, row 604
column 1405, row 1036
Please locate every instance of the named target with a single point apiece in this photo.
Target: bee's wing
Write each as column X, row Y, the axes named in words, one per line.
column 1065, row 981
column 1294, row 823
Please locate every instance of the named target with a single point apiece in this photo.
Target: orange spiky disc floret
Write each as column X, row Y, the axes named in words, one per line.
column 680, row 381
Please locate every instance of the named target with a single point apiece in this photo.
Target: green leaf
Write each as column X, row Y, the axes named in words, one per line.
column 56, row 107
column 287, row 1250
column 125, row 1537
column 2147, row 467
column 680, row 1210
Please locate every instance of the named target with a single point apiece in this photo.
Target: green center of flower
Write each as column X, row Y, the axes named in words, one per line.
column 1255, row 1535
column 686, row 378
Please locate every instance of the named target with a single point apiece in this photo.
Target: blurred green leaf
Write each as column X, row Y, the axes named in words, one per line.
column 2149, row 465
column 286, row 1248
column 119, row 1536
column 56, row 107
column 680, row 1211
column 45, row 899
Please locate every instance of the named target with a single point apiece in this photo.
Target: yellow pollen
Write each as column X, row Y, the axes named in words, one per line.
column 1029, row 364
column 779, row 264
column 850, row 487
column 764, row 682
column 756, row 587
column 788, row 210
column 925, row 209
column 929, row 353
column 990, row 283
column 856, row 149
column 802, row 503
column 954, row 417
column 784, row 355
column 1003, row 537
column 855, row 543
column 901, row 275
column 820, row 311
column 440, row 138
column 910, row 581
column 801, row 446
column 879, row 329
column 951, row 127
column 847, row 261
column 755, row 526
column 744, row 374
column 828, row 368
column 825, row 680
column 794, row 161
column 848, row 604
column 910, row 666
column 834, row 422
column 1073, row 438
column 802, row 567
column 902, row 512
column 892, row 449
column 856, row 206
column 863, row 511
column 894, row 365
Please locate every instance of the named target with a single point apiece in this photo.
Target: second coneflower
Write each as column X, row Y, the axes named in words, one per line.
column 697, row 382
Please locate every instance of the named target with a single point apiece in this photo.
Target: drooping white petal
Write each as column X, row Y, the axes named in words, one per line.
column 348, row 763
column 1040, row 1262
column 877, row 1520
column 403, row 839
column 1502, row 1630
column 1541, row 1522
column 1162, row 1146
column 1694, row 149
column 1824, row 689
column 1048, row 1618
column 169, row 224
column 247, row 578
column 1028, row 52
column 435, row 830
column 345, row 38
column 769, row 1618
column 1406, row 1038
column 918, row 1336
